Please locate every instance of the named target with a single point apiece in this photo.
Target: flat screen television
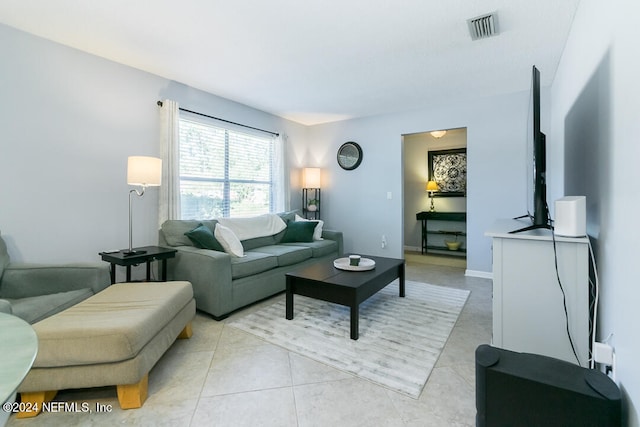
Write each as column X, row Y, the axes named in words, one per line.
column 537, row 208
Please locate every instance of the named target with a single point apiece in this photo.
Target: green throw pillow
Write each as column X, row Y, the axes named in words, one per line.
column 203, row 238
column 299, row 231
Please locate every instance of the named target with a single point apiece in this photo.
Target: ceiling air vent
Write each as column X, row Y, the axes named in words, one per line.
column 483, row 26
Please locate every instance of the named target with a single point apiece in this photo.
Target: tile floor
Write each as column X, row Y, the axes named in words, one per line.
column 226, row 377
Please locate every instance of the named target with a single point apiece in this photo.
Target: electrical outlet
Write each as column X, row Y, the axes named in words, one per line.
column 603, row 353
column 384, row 241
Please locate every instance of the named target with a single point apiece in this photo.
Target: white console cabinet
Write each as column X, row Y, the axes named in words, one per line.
column 528, row 313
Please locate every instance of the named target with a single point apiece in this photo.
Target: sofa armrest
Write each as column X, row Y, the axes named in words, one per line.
column 5, row 306
column 29, row 280
column 209, row 273
column 334, row 235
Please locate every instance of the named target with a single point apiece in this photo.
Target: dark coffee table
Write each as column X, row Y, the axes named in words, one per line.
column 325, row 282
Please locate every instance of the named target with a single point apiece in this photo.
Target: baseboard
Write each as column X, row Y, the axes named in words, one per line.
column 480, row 274
column 413, row 249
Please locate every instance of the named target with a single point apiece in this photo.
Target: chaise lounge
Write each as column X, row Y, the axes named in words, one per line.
column 112, row 338
column 91, row 334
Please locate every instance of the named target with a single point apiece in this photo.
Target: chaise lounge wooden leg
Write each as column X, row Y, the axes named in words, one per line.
column 32, row 402
column 132, row 396
column 187, row 332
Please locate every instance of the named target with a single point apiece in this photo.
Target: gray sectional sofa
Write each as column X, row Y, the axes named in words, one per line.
column 222, row 282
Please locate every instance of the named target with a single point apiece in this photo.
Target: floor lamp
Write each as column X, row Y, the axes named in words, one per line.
column 145, row 172
column 311, row 182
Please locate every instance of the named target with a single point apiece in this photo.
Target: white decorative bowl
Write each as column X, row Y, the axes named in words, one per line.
column 365, row 264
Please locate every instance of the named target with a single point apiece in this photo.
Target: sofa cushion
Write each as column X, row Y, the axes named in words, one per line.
column 4, row 256
column 289, row 215
column 174, row 230
column 111, row 326
column 258, row 242
column 319, row 248
column 286, row 217
column 5, row 306
column 252, row 263
column 287, row 254
column 299, row 231
column 202, row 237
column 317, row 233
column 35, row 309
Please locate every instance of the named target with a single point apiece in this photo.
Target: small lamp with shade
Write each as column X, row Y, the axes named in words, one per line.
column 431, row 187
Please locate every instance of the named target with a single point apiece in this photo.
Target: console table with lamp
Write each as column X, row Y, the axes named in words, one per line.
column 441, row 216
column 451, row 247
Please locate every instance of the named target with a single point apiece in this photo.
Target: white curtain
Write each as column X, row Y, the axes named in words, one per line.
column 169, row 206
column 281, row 184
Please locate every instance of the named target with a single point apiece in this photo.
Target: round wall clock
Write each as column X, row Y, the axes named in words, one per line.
column 349, row 155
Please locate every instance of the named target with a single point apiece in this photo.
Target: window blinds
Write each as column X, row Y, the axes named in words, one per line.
column 224, row 172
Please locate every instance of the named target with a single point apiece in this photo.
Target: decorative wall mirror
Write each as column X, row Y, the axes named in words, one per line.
column 349, row 155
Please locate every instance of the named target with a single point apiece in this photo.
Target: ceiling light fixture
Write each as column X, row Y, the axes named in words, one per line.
column 438, row 133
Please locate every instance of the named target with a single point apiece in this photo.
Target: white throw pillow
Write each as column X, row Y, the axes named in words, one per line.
column 317, row 232
column 229, row 241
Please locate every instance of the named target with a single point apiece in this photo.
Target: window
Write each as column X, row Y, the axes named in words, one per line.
column 226, row 173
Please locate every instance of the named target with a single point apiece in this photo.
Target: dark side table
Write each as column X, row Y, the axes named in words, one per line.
column 151, row 253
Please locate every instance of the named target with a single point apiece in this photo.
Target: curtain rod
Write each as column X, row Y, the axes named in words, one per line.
column 222, row 120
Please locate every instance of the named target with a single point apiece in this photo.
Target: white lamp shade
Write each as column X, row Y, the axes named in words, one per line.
column 144, row 171
column 311, row 178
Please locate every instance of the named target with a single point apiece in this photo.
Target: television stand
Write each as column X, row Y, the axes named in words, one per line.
column 531, row 227
column 546, row 226
column 528, row 313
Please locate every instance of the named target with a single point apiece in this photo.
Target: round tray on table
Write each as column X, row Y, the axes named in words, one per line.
column 365, row 264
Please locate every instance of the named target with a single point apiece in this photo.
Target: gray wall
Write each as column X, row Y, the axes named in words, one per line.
column 69, row 121
column 595, row 99
column 357, row 201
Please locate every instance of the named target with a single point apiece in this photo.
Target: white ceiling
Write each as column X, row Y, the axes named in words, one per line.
column 314, row 61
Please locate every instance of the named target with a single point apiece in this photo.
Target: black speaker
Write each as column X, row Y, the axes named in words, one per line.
column 522, row 389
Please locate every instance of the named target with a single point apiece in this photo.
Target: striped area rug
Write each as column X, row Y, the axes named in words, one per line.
column 400, row 338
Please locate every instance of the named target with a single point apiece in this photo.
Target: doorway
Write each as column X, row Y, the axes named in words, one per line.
column 437, row 157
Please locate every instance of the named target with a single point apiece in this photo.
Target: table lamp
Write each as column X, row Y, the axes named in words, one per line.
column 145, row 172
column 431, row 187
